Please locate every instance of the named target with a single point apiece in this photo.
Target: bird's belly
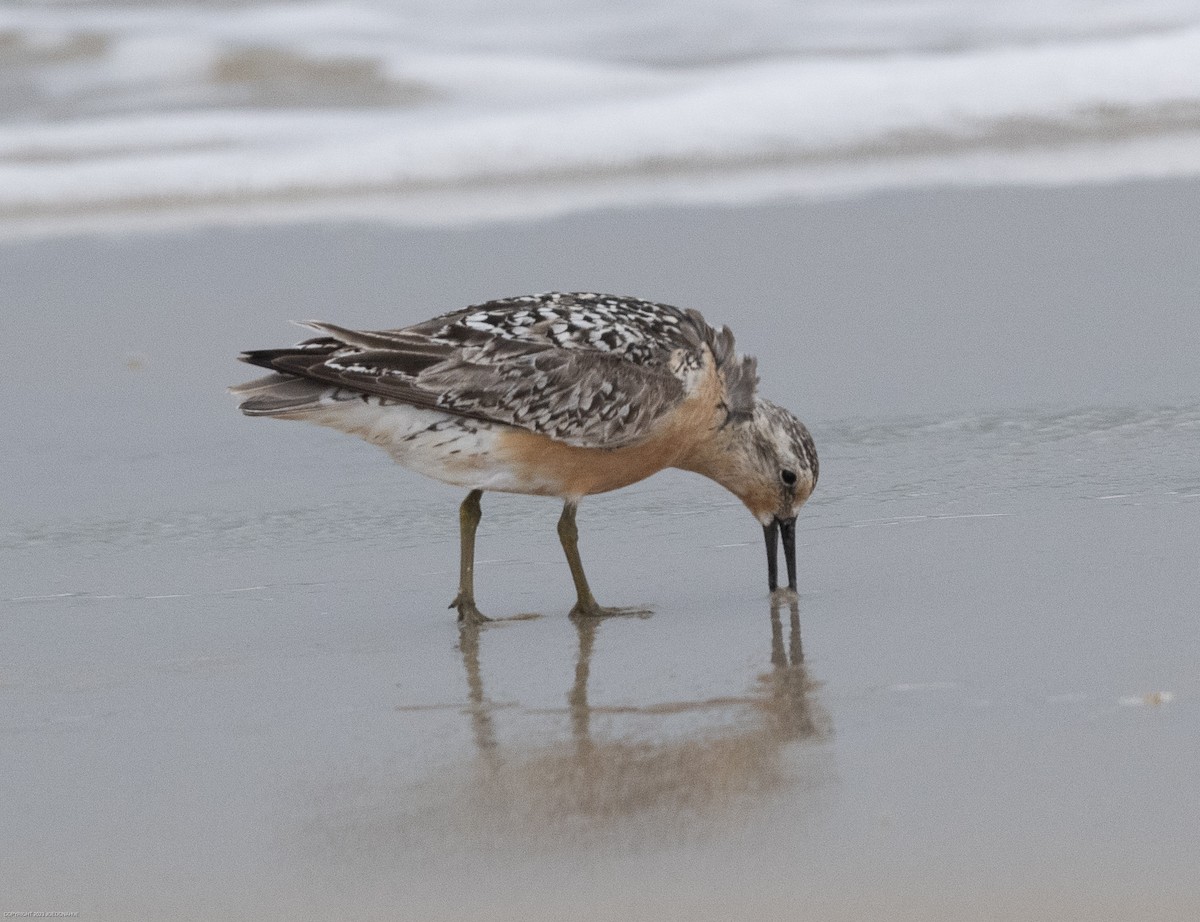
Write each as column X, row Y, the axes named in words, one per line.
column 575, row 472
column 449, row 448
column 480, row 455
column 581, row 471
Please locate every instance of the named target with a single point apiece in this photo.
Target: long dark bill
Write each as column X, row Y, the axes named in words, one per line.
column 787, row 529
column 771, row 534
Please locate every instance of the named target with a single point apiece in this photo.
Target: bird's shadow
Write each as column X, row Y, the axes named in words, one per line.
column 502, row 621
column 505, row 620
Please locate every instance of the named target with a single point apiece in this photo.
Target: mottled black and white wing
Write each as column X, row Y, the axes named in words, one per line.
column 587, row 370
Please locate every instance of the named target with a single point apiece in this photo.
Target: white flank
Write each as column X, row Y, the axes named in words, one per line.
column 460, row 452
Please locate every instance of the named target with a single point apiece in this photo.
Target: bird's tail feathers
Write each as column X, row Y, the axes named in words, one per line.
column 282, row 395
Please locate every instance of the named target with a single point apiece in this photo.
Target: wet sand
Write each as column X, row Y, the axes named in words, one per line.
column 231, row 687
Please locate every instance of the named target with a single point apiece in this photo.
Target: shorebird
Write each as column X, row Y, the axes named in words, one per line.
column 554, row 394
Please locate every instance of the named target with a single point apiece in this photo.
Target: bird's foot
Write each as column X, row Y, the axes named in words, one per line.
column 591, row 609
column 783, row 596
column 468, row 613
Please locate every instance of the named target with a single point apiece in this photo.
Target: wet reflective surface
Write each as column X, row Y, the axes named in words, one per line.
column 675, row 760
column 230, row 686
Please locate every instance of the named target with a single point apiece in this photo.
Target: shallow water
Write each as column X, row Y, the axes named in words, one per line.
column 231, row 686
column 984, row 703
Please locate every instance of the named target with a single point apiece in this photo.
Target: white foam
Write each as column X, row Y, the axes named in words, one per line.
column 495, row 133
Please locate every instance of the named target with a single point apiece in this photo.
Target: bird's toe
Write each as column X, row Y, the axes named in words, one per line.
column 594, row 610
column 468, row 612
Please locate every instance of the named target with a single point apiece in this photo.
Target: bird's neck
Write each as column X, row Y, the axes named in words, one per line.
column 726, row 452
column 717, row 457
column 727, row 458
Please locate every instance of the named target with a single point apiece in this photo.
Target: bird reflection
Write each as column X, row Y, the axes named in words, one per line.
column 681, row 767
column 482, row 726
column 786, row 701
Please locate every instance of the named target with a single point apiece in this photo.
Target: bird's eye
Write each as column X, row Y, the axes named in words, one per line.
column 789, row 477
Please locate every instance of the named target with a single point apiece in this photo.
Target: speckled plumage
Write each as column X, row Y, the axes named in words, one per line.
column 586, row 369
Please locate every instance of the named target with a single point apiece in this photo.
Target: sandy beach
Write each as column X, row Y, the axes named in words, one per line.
column 231, row 688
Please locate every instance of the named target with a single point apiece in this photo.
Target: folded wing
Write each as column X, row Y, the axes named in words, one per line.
column 582, row 397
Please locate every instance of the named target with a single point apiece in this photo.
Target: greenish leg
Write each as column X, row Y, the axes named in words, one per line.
column 585, row 605
column 568, row 534
column 469, row 514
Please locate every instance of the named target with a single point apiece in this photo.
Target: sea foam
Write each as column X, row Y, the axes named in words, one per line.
column 342, row 106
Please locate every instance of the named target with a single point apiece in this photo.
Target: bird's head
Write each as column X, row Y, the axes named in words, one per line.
column 767, row 459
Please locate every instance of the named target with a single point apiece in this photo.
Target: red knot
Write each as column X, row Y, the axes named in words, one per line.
column 552, row 395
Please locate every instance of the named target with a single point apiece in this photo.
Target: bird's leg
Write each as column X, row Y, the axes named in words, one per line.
column 585, row 604
column 469, row 514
